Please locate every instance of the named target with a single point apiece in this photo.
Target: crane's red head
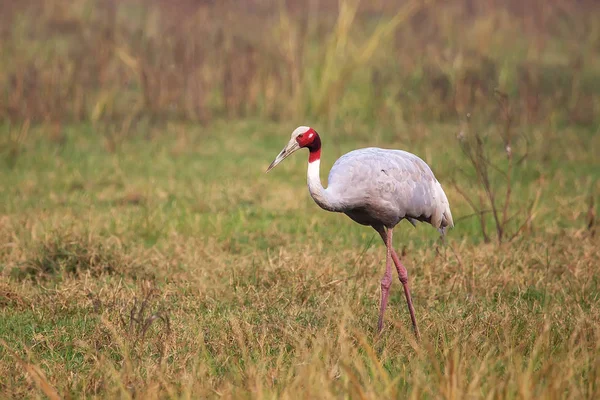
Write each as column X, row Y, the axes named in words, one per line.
column 308, row 138
column 303, row 136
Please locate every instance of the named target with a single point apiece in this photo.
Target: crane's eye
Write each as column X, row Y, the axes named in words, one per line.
column 300, row 135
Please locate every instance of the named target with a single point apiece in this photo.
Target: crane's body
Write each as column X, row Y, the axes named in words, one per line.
column 379, row 188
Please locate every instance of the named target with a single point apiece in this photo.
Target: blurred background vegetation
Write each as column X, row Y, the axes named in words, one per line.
column 390, row 62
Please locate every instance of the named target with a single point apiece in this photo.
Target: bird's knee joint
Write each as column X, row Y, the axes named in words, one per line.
column 386, row 282
column 403, row 278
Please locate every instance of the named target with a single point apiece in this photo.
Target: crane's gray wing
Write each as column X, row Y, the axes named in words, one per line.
column 385, row 186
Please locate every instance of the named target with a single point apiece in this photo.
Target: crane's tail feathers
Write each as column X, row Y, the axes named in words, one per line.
column 445, row 219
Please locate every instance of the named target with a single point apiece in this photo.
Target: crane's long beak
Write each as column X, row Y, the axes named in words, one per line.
column 291, row 147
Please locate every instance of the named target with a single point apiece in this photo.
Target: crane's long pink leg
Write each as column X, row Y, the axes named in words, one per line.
column 386, row 282
column 402, row 275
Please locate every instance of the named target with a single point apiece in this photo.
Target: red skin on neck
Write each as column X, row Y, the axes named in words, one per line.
column 314, row 155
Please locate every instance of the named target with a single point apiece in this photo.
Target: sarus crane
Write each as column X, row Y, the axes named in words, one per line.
column 378, row 188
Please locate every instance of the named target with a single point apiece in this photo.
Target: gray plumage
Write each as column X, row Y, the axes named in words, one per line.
column 381, row 187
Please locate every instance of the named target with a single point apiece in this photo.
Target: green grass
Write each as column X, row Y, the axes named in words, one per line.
column 250, row 290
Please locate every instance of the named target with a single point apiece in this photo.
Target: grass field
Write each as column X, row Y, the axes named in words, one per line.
column 176, row 266
column 146, row 254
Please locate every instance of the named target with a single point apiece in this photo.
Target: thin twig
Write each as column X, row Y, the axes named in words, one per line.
column 477, row 210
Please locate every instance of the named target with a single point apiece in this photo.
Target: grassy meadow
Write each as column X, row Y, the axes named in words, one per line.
column 144, row 252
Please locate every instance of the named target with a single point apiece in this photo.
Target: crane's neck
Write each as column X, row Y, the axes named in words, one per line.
column 320, row 195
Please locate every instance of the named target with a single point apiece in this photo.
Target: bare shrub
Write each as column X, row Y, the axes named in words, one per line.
column 494, row 176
